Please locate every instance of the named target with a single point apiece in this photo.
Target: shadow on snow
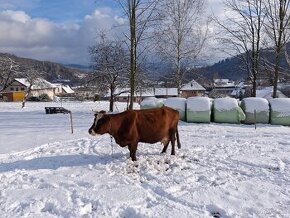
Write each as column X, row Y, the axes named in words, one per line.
column 55, row 162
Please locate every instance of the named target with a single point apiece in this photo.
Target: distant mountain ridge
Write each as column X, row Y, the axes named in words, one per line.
column 54, row 72
column 231, row 68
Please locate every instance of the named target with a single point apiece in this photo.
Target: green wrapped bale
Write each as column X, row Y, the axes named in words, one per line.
column 177, row 104
column 260, row 105
column 198, row 110
column 280, row 111
column 227, row 110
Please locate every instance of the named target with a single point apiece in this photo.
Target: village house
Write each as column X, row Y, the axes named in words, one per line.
column 17, row 89
column 224, row 88
column 192, row 89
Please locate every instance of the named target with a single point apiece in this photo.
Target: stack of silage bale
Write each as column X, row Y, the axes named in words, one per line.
column 151, row 102
column 256, row 110
column 178, row 104
column 280, row 111
column 198, row 110
column 227, row 110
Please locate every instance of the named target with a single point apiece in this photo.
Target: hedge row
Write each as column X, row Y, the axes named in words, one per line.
column 227, row 110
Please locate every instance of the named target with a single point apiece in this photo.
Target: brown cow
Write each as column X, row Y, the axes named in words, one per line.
column 133, row 126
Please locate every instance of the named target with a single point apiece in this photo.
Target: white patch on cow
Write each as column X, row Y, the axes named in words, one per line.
column 164, row 141
column 98, row 116
column 93, row 133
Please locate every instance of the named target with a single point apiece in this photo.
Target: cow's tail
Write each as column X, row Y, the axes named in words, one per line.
column 177, row 138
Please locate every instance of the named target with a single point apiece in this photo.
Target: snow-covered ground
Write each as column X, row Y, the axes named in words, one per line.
column 222, row 170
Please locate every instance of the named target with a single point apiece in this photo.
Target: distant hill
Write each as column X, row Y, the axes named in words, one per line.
column 54, row 72
column 78, row 66
column 232, row 68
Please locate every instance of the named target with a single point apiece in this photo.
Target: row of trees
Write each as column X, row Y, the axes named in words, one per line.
column 179, row 31
column 170, row 29
column 253, row 25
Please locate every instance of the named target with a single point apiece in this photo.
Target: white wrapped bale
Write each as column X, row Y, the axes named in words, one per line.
column 260, row 105
column 280, row 111
column 198, row 110
column 151, row 102
column 177, row 104
column 227, row 110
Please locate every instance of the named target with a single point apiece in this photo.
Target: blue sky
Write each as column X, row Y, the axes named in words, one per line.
column 57, row 10
column 59, row 30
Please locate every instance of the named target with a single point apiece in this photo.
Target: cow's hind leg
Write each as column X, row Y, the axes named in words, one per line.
column 172, row 140
column 165, row 145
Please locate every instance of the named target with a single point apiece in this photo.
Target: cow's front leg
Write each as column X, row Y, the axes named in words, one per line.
column 133, row 149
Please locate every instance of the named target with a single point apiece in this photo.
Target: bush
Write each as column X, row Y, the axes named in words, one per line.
column 44, row 97
column 33, row 98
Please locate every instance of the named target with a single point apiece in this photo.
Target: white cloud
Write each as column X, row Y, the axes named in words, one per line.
column 45, row 40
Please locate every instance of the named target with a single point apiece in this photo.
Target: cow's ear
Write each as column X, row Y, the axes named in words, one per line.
column 100, row 114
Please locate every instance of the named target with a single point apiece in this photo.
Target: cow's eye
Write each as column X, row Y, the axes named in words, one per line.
column 101, row 121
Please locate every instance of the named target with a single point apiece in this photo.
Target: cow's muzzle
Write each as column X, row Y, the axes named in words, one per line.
column 92, row 132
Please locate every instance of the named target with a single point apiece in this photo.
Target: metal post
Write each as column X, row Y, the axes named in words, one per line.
column 71, row 122
column 255, row 118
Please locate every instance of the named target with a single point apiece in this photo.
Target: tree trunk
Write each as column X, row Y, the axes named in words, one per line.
column 133, row 55
column 112, row 90
column 276, row 74
column 26, row 96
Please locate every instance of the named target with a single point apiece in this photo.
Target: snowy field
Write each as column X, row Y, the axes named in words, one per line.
column 222, row 170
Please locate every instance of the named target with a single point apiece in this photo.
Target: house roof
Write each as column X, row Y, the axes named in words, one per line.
column 192, row 86
column 166, row 92
column 67, row 89
column 39, row 83
column 223, row 83
column 124, row 92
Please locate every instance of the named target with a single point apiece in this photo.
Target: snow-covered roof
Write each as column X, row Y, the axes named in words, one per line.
column 67, row 89
column 124, row 92
column 192, row 85
column 39, row 83
column 166, row 92
column 223, row 83
column 146, row 93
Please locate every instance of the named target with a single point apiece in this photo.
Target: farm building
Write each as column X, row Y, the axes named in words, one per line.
column 18, row 87
column 123, row 94
column 165, row 92
column 192, row 89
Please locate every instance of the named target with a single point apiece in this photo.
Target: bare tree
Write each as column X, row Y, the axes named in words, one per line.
column 242, row 34
column 110, row 64
column 32, row 78
column 139, row 14
column 180, row 34
column 278, row 29
column 8, row 68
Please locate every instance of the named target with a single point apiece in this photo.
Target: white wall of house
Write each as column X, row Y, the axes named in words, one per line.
column 38, row 92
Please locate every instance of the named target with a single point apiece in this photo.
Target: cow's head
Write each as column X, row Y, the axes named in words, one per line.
column 101, row 124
